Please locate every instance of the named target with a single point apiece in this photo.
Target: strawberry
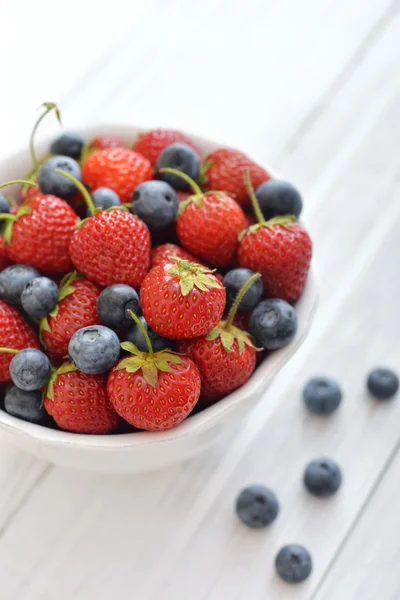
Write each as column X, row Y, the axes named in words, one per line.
column 76, row 308
column 120, row 169
column 79, row 403
column 182, row 300
column 45, row 218
column 4, row 260
column 208, row 224
column 280, row 249
column 15, row 333
column 224, row 170
column 166, row 252
column 104, row 142
column 151, row 143
column 226, row 357
column 153, row 391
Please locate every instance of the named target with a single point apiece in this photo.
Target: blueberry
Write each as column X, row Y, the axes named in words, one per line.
column 30, row 369
column 277, row 197
column 51, row 182
column 156, row 203
column 382, row 383
column 322, row 477
column 273, row 324
column 234, row 281
column 25, row 405
column 13, row 281
column 94, row 349
column 104, row 198
column 158, row 343
column 4, row 204
column 322, row 395
column 39, row 297
column 69, row 144
column 182, row 158
column 293, row 563
column 257, row 506
column 114, row 303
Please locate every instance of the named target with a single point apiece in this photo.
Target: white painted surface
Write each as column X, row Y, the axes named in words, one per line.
column 314, row 88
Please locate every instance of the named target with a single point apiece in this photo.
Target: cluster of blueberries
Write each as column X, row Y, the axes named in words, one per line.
column 257, row 506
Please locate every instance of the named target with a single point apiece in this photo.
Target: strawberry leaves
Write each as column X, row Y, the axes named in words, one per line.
column 193, row 275
column 148, row 364
column 66, row 367
column 229, row 334
column 66, row 288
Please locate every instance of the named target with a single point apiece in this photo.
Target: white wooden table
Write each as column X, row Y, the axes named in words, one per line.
column 314, row 88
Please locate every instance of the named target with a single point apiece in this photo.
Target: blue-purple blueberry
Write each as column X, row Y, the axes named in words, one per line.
column 39, row 297
column 13, row 280
column 234, row 280
column 293, row 563
column 322, row 395
column 156, row 203
column 382, row 383
column 257, row 506
column 114, row 304
column 94, row 349
column 273, row 324
column 51, row 182
column 322, row 477
column 30, row 369
column 276, row 197
column 69, row 144
column 182, row 158
column 25, row 405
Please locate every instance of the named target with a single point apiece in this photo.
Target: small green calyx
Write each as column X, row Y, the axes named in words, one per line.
column 48, row 107
column 193, row 275
column 204, row 167
column 230, row 333
column 197, row 199
column 281, row 220
column 66, row 288
column 66, row 367
column 149, row 364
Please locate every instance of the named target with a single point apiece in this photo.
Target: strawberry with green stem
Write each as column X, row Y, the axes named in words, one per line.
column 181, row 300
column 154, row 391
column 76, row 308
column 111, row 246
column 209, row 223
column 45, row 218
column 225, row 357
column 79, row 403
column 280, row 249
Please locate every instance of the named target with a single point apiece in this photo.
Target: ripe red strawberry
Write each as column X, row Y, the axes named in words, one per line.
column 15, row 333
column 182, row 300
column 79, row 403
column 76, row 308
column 112, row 247
column 120, row 169
column 4, row 260
column 151, row 143
column 39, row 234
column 103, row 142
column 224, row 170
column 226, row 357
column 166, row 252
column 280, row 250
column 153, row 391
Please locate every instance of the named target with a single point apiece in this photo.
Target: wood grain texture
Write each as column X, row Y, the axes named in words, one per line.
column 315, row 86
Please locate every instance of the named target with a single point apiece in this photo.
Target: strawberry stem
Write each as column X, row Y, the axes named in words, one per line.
column 254, row 202
column 195, row 188
column 19, row 182
column 48, row 106
column 144, row 332
column 82, row 189
column 9, row 350
column 239, row 298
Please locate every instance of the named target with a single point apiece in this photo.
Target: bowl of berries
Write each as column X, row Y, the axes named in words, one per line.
column 152, row 284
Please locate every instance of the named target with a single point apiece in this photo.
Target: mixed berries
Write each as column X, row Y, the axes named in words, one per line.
column 134, row 280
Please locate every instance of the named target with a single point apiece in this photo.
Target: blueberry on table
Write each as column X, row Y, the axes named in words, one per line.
column 13, row 281
column 322, row 395
column 25, row 405
column 69, row 144
column 273, row 324
column 182, row 158
column 94, row 349
column 30, row 369
column 156, row 203
column 4, row 204
column 322, row 477
column 114, row 304
column 39, row 297
column 158, row 342
column 293, row 563
column 277, row 197
column 257, row 506
column 234, row 280
column 51, row 182
column 382, row 383
column 104, row 198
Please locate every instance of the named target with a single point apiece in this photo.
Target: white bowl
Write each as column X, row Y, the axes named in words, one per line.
column 146, row 451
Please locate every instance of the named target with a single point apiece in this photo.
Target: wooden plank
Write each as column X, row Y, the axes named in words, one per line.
column 368, row 565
